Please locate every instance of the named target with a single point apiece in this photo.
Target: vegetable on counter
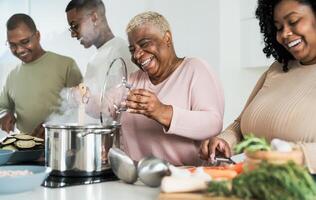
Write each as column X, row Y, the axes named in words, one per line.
column 252, row 143
column 22, row 141
column 269, row 182
column 220, row 188
column 221, row 172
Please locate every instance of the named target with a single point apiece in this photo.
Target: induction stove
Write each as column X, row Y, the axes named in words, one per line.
column 53, row 181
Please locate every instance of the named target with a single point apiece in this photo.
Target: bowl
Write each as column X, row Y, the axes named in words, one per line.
column 5, row 155
column 274, row 157
column 20, row 156
column 22, row 183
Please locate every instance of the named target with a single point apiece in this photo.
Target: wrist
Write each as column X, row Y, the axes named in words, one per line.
column 165, row 116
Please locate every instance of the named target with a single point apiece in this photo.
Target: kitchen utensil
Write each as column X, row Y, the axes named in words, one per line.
column 114, row 91
column 22, row 183
column 78, row 150
column 122, row 165
column 151, row 170
column 220, row 160
column 238, row 158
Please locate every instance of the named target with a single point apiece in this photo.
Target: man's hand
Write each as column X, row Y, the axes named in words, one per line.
column 78, row 95
column 7, row 122
column 39, row 132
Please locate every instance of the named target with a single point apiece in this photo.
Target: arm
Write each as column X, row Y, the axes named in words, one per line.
column 202, row 113
column 223, row 143
column 205, row 117
column 73, row 76
column 232, row 134
column 7, row 119
column 7, row 122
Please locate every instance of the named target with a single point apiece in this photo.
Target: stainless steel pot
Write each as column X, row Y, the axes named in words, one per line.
column 74, row 150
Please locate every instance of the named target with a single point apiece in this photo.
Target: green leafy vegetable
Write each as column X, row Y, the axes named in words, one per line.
column 219, row 188
column 252, row 143
column 271, row 182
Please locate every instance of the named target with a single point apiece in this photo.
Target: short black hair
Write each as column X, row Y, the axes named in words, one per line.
column 15, row 20
column 264, row 13
column 86, row 4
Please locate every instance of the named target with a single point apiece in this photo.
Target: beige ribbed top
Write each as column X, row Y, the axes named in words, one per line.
column 282, row 105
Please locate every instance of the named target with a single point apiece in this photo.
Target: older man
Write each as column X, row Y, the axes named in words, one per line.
column 32, row 88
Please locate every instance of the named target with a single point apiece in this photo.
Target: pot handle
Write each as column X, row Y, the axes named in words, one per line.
column 96, row 132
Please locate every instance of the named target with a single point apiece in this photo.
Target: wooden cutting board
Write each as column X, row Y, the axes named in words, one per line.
column 190, row 196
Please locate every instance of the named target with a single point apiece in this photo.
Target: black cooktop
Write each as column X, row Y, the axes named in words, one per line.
column 53, row 181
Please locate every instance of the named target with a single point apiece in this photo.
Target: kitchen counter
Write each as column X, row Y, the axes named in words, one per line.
column 115, row 190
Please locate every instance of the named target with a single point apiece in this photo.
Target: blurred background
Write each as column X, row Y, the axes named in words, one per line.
column 222, row 32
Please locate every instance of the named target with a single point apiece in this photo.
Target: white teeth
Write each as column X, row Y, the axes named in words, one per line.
column 146, row 62
column 23, row 54
column 294, row 43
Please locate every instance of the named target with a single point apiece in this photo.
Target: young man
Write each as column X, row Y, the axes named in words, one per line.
column 32, row 88
column 88, row 24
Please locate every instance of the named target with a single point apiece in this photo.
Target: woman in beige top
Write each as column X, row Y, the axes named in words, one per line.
column 283, row 103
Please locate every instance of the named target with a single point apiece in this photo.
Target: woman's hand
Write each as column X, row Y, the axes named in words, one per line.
column 213, row 147
column 144, row 102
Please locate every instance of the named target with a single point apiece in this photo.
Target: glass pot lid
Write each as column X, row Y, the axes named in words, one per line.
column 114, row 92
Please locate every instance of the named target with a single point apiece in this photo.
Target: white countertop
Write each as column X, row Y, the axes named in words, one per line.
column 115, row 190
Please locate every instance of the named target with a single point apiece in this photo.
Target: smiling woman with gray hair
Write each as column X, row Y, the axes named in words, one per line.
column 175, row 102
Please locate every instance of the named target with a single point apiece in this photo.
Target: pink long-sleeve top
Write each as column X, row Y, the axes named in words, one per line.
column 197, row 100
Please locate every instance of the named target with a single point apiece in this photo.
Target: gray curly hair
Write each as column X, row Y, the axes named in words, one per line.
column 149, row 17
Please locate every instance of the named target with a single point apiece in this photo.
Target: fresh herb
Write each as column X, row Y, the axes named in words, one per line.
column 252, row 143
column 219, row 188
column 271, row 182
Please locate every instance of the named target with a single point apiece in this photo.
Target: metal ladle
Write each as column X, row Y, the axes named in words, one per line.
column 122, row 165
column 151, row 170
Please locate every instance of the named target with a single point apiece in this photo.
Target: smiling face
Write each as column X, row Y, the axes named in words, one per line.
column 296, row 29
column 81, row 26
column 151, row 49
column 24, row 44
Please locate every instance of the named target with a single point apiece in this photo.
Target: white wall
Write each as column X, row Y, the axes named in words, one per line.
column 237, row 80
column 209, row 29
column 195, row 26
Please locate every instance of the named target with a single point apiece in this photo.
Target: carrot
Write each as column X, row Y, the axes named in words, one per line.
column 220, row 173
column 239, row 168
column 191, row 169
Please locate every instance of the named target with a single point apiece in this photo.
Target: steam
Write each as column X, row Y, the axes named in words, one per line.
column 106, row 82
column 68, row 112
